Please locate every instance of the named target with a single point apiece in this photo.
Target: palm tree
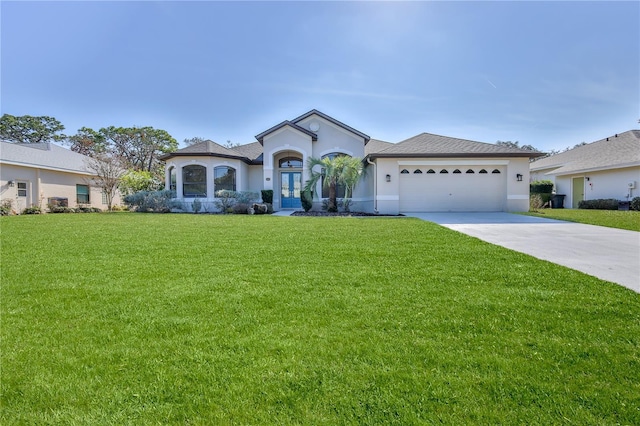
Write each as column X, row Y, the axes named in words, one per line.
column 339, row 170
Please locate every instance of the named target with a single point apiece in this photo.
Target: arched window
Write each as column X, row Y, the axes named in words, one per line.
column 470, row 171
column 404, row 172
column 194, row 181
column 290, row 162
column 457, row 171
column 224, row 178
column 483, row 171
column 444, row 171
column 430, row 171
column 173, row 180
column 340, row 189
column 496, row 172
column 417, row 172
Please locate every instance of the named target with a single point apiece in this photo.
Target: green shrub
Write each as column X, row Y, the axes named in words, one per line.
column 541, row 187
column 196, row 206
column 241, row 208
column 535, row 202
column 61, row 209
column 6, row 207
column 246, row 197
column 32, row 210
column 635, row 204
column 267, row 196
column 599, row 204
column 152, row 201
column 306, row 198
column 225, row 200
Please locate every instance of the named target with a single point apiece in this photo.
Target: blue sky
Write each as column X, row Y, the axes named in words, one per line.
column 548, row 74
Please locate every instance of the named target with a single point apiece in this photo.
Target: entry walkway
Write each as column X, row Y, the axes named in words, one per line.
column 607, row 253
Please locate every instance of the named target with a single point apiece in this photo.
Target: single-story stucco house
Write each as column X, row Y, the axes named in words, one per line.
column 39, row 173
column 608, row 168
column 424, row 173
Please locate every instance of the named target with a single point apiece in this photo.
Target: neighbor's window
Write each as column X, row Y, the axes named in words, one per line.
column 22, row 189
column 104, row 198
column 224, row 178
column 194, row 181
column 82, row 194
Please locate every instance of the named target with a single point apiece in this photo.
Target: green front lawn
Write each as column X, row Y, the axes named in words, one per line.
column 200, row 319
column 629, row 220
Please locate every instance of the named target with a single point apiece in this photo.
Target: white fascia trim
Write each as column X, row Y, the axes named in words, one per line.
column 388, row 197
column 517, row 197
column 453, row 163
column 595, row 169
column 55, row 169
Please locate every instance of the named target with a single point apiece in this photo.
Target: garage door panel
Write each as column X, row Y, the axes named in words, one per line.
column 444, row 192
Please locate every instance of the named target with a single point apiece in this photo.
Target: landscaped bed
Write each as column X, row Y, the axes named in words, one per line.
column 210, row 319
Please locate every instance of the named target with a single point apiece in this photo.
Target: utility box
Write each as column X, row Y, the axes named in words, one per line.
column 624, row 205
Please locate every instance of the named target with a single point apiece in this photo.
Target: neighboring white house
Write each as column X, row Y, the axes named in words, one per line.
column 608, row 168
column 34, row 174
column 423, row 173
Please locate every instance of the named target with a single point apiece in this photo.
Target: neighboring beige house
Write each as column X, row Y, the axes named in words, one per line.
column 608, row 168
column 423, row 173
column 34, row 174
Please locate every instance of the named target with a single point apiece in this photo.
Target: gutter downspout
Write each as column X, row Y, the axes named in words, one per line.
column 375, row 185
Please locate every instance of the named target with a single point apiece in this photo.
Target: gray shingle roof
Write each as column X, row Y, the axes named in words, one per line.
column 376, row 145
column 43, row 155
column 430, row 145
column 620, row 150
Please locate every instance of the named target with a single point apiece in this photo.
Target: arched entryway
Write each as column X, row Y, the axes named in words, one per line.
column 290, row 170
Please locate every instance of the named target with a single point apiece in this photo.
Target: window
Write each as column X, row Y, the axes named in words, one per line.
column 457, row 171
column 404, row 172
column 444, row 171
column 173, row 180
column 194, row 181
column 340, row 190
column 22, row 189
column 82, row 194
column 496, row 172
column 290, row 162
column 483, row 171
column 104, row 198
column 430, row 171
column 224, row 178
column 417, row 172
column 470, row 171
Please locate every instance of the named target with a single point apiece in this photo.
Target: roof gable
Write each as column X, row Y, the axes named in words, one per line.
column 331, row 120
column 620, row 150
column 430, row 145
column 284, row 124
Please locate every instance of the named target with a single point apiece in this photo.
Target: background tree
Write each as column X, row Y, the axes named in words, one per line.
column 342, row 169
column 194, row 140
column 138, row 180
column 140, row 147
column 87, row 142
column 107, row 175
column 516, row 144
column 29, row 129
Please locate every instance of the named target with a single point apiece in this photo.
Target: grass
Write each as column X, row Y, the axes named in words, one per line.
column 629, row 220
column 198, row 319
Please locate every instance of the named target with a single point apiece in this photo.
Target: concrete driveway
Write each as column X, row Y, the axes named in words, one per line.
column 607, row 253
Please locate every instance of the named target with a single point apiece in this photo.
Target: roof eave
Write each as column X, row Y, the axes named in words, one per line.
column 204, row 154
column 452, row 155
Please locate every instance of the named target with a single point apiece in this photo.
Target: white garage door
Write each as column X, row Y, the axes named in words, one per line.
column 452, row 189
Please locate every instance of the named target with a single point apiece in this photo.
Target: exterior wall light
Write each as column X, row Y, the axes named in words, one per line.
column 519, row 177
column 388, row 178
column 12, row 183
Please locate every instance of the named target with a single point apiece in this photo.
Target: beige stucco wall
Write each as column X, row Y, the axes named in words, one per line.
column 601, row 184
column 43, row 184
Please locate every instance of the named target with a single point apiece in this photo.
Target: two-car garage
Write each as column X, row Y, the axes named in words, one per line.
column 452, row 188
